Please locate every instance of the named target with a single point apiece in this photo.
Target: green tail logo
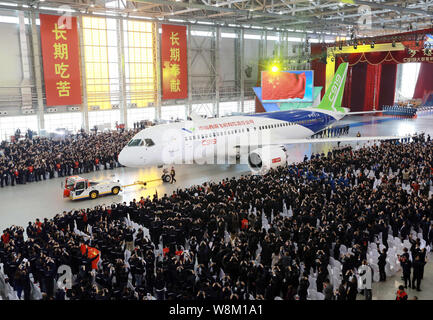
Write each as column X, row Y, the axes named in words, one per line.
column 334, row 95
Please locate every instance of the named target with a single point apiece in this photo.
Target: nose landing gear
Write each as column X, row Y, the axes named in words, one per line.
column 166, row 177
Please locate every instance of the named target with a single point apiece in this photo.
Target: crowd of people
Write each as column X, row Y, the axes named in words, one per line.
column 332, row 132
column 235, row 239
column 38, row 158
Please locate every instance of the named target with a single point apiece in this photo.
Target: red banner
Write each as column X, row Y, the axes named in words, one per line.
column 60, row 56
column 174, row 62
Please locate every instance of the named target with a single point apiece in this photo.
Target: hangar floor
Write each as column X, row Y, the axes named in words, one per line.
column 24, row 203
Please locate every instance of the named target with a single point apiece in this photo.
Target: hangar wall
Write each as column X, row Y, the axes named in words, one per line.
column 10, row 60
column 224, row 70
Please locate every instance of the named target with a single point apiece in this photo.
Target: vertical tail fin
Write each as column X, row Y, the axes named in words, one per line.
column 334, row 95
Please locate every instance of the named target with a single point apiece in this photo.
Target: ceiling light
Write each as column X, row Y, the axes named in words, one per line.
column 61, row 9
column 8, row 4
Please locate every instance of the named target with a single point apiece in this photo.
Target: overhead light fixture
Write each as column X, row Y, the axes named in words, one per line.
column 139, row 17
column 205, row 22
column 57, row 9
column 8, row 4
column 111, row 14
column 176, row 20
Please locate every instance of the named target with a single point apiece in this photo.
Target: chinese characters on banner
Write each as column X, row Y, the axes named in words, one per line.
column 174, row 62
column 59, row 39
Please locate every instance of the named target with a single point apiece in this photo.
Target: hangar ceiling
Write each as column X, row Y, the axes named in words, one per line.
column 339, row 18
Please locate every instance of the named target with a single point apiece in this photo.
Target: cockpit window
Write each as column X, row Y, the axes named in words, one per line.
column 149, row 142
column 135, row 143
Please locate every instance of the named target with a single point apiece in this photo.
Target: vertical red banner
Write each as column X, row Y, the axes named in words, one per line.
column 174, row 62
column 60, row 56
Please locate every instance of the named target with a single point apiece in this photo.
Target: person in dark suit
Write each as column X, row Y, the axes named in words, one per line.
column 382, row 263
column 406, row 265
column 352, row 289
column 303, row 288
column 173, row 175
column 417, row 273
column 328, row 290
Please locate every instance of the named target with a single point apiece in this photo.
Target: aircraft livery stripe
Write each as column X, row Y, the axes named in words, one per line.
column 313, row 120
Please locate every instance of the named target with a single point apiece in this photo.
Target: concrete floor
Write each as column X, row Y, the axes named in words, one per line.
column 24, row 203
column 387, row 290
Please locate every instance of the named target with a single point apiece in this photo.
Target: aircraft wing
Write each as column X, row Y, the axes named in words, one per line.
column 327, row 140
column 362, row 112
column 339, row 139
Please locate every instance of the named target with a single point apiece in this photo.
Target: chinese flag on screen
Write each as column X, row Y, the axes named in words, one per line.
column 283, row 85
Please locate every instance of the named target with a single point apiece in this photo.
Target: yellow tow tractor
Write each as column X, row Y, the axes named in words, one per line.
column 77, row 187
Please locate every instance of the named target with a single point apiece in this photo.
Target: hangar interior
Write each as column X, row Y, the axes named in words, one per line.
column 120, row 70
column 119, row 42
column 229, row 43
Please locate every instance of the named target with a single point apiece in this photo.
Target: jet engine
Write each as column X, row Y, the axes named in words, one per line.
column 262, row 159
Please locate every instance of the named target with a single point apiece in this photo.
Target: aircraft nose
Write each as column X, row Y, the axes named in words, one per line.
column 123, row 158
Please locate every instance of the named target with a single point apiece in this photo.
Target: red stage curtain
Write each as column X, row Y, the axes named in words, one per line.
column 358, row 87
column 371, row 86
column 353, row 58
column 347, row 89
column 319, row 68
column 424, row 83
column 375, row 57
column 387, row 84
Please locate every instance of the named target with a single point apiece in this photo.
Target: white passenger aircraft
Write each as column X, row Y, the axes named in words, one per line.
column 257, row 139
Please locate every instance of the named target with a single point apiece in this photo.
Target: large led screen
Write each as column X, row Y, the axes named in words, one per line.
column 287, row 86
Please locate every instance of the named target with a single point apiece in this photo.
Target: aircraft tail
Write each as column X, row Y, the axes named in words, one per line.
column 334, row 95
